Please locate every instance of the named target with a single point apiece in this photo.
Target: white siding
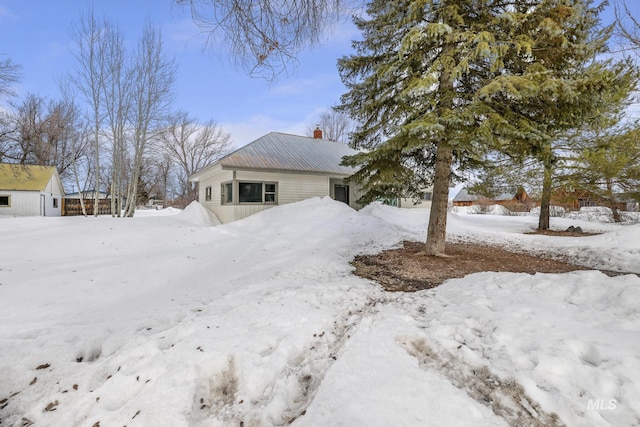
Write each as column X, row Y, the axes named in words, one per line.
column 23, row 203
column 54, row 186
column 213, row 179
column 49, row 210
column 34, row 203
column 292, row 187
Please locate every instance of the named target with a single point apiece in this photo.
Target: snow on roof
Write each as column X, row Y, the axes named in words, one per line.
column 281, row 151
column 464, row 196
column 15, row 177
column 504, row 196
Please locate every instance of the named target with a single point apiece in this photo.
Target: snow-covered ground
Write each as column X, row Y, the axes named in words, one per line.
column 169, row 319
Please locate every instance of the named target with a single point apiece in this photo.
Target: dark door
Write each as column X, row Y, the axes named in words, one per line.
column 341, row 193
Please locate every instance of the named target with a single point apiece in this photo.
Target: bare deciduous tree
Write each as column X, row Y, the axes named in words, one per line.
column 91, row 73
column 9, row 74
column 627, row 24
column 264, row 35
column 46, row 134
column 118, row 96
column 192, row 145
column 153, row 78
column 335, row 126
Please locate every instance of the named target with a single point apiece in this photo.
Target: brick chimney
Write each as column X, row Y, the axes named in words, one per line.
column 317, row 132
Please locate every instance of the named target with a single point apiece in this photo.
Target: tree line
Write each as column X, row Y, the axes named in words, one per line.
column 114, row 128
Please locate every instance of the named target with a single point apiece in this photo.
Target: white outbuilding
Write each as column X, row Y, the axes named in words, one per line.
column 30, row 190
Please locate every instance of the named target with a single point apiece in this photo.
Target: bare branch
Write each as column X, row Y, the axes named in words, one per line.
column 9, row 74
column 264, row 36
column 191, row 146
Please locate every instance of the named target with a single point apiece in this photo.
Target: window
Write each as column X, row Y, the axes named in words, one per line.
column 250, row 192
column 55, row 202
column 227, row 193
column 258, row 192
column 426, row 195
column 207, row 194
column 269, row 193
column 5, row 201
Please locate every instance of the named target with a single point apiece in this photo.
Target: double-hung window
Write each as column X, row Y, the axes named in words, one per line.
column 269, row 192
column 227, row 193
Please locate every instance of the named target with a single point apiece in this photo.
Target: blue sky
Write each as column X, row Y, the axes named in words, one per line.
column 36, row 34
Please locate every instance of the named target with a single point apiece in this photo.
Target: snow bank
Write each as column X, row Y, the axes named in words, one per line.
column 197, row 215
column 154, row 321
column 481, row 209
column 570, row 340
column 602, row 214
column 554, row 211
column 157, row 212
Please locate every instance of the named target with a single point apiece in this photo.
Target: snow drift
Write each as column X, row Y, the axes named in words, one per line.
column 166, row 320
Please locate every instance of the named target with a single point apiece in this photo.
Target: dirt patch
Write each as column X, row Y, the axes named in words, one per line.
column 404, row 270
column 562, row 233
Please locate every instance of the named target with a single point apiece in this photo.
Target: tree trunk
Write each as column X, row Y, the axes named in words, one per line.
column 545, row 203
column 437, row 231
column 96, row 200
column 80, row 192
column 612, row 202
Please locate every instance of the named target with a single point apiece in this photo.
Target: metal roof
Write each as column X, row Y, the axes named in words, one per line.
column 285, row 152
column 464, row 196
column 14, row 177
column 505, row 196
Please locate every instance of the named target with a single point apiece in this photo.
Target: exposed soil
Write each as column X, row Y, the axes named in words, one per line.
column 562, row 233
column 404, row 270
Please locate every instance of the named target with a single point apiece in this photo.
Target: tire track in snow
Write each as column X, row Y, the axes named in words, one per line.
column 300, row 379
column 506, row 397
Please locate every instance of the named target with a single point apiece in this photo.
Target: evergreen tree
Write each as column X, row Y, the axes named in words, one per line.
column 412, row 88
column 556, row 87
column 609, row 165
column 437, row 83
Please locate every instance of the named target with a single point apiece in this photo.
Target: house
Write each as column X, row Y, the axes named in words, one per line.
column 463, row 198
column 515, row 201
column 29, row 190
column 573, row 199
column 275, row 169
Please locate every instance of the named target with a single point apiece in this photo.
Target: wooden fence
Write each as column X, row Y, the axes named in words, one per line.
column 72, row 207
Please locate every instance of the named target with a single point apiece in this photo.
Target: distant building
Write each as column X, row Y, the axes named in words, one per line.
column 463, row 198
column 515, row 201
column 573, row 199
column 30, row 190
column 87, row 194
